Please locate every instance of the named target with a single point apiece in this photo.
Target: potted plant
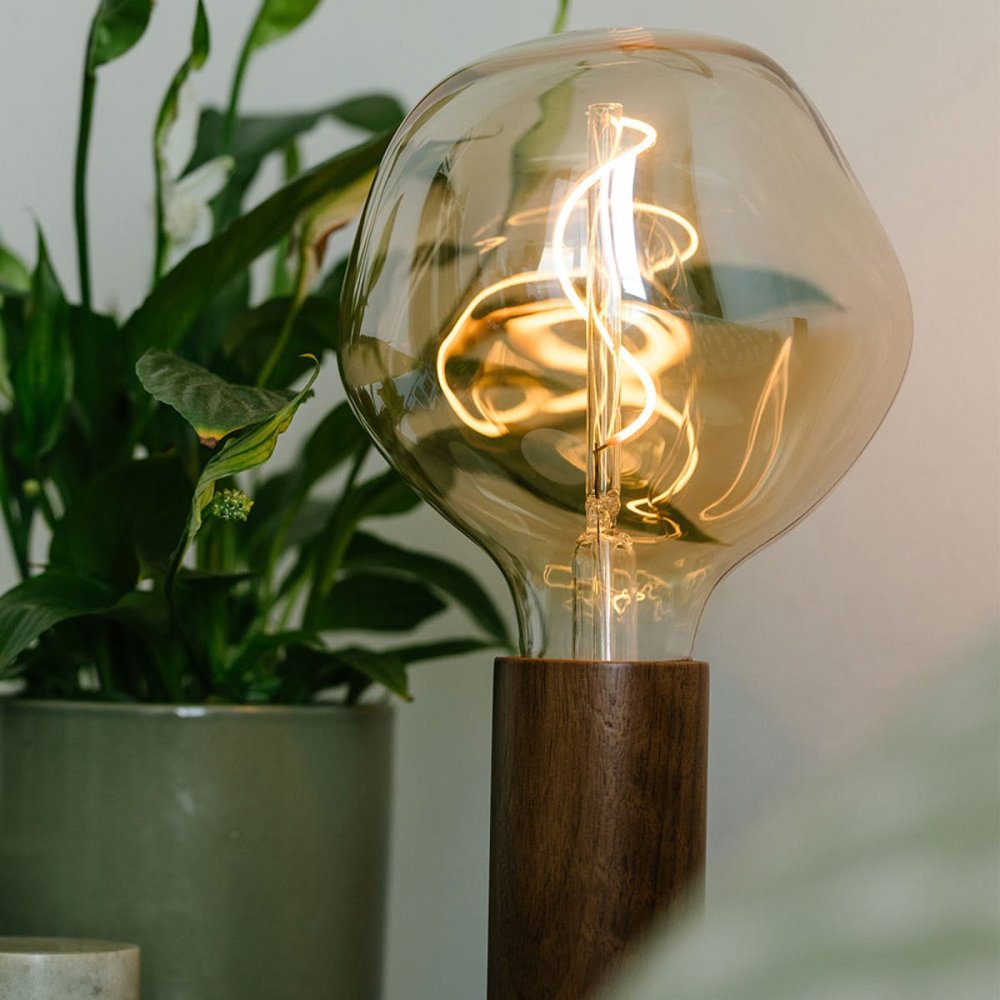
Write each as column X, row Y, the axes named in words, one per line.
column 193, row 761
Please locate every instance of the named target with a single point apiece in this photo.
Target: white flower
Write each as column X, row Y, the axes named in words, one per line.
column 187, row 218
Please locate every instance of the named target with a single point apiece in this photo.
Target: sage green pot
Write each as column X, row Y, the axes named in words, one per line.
column 243, row 849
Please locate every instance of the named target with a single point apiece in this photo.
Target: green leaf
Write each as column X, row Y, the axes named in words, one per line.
column 117, row 26
column 211, row 405
column 102, row 378
column 6, row 387
column 258, row 136
column 34, row 606
column 15, row 278
column 277, row 18
column 251, row 448
column 177, row 300
column 387, row 495
column 335, row 439
column 250, row 338
column 383, row 668
column 283, row 516
column 125, row 523
column 201, row 42
column 382, row 496
column 368, row 552
column 42, row 376
column 377, row 602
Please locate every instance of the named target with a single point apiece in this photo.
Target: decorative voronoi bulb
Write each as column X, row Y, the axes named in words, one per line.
column 619, row 310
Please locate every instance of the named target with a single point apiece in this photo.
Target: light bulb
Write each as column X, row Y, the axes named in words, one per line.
column 619, row 309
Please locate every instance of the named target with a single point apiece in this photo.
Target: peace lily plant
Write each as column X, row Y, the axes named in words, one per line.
column 158, row 560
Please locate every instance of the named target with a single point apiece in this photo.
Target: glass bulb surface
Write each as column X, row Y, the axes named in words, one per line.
column 618, row 309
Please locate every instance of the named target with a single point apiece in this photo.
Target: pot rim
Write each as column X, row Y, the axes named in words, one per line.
column 195, row 711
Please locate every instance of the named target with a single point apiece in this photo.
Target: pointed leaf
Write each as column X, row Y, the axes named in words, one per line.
column 15, row 278
column 34, row 606
column 6, row 387
column 383, row 668
column 177, row 300
column 43, row 375
column 211, row 405
column 277, row 18
column 117, row 26
column 250, row 338
column 377, row 602
column 366, row 551
column 102, row 380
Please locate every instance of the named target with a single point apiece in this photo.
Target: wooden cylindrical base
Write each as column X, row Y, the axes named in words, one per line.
column 597, row 815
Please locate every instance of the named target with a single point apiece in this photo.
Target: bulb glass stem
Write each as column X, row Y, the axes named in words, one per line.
column 604, row 562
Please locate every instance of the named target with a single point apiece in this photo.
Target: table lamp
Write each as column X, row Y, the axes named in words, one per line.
column 619, row 310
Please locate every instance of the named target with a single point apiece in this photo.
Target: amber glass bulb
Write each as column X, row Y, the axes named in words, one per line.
column 619, row 310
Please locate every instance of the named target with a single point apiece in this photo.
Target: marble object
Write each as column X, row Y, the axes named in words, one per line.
column 35, row 968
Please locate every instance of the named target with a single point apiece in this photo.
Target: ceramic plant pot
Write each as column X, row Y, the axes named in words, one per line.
column 243, row 849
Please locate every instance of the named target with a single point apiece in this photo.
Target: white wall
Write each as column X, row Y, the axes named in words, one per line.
column 811, row 641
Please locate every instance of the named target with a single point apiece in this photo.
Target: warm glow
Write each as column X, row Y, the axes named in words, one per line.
column 666, row 336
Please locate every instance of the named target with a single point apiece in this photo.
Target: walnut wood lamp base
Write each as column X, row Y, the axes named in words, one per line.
column 597, row 815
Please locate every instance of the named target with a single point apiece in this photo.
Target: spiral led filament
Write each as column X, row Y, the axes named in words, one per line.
column 603, row 566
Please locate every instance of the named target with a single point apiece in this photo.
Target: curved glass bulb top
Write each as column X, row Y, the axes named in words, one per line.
column 619, row 310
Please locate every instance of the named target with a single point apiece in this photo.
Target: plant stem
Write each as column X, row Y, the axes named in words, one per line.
column 80, row 175
column 160, row 238
column 560, row 23
column 169, row 592
column 18, row 526
column 229, row 132
column 336, row 538
column 281, row 343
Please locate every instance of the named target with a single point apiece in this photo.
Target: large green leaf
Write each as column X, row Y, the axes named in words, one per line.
column 246, row 451
column 117, row 26
column 42, row 376
column 383, row 668
column 125, row 523
column 335, row 439
column 277, row 18
column 258, row 136
column 385, row 495
column 176, row 301
column 283, row 515
column 211, row 405
column 368, row 552
column 102, row 378
column 250, row 338
column 34, row 606
column 378, row 602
